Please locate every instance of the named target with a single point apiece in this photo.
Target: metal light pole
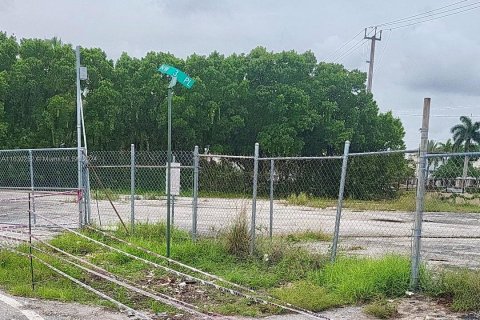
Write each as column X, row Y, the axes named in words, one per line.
column 79, row 137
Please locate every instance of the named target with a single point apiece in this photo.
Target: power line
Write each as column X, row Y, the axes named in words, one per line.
column 436, row 18
column 382, row 53
column 418, row 14
column 352, row 48
column 435, row 115
column 343, row 45
column 350, row 51
column 430, row 15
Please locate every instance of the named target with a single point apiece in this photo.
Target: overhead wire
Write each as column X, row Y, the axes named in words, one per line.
column 425, row 14
column 382, row 53
column 332, row 54
column 419, row 18
column 436, row 18
column 351, row 48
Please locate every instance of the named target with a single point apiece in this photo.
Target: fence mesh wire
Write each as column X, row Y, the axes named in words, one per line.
column 451, row 221
column 294, row 195
column 40, row 180
column 225, row 191
column 110, row 176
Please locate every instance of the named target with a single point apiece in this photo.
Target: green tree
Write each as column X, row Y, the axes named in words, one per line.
column 467, row 133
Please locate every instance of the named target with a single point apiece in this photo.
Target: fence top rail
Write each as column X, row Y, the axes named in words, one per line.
column 454, row 154
column 224, row 156
column 301, row 158
column 39, row 149
column 382, row 152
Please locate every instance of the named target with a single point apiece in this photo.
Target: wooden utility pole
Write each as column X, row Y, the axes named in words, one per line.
column 420, row 199
column 374, row 38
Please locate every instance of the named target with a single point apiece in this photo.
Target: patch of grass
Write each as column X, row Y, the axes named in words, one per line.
column 381, row 308
column 460, row 287
column 242, row 307
column 308, row 235
column 74, row 244
column 363, row 279
column 308, row 295
column 302, row 199
column 404, row 202
column 15, row 278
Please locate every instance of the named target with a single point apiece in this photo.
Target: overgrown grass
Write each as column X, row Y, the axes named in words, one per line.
column 404, row 202
column 237, row 238
column 279, row 266
column 460, row 287
column 349, row 281
column 363, row 279
column 15, row 278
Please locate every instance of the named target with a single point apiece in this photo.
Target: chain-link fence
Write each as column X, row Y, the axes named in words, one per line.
column 451, row 221
column 129, row 186
column 379, row 203
column 43, row 181
column 280, row 196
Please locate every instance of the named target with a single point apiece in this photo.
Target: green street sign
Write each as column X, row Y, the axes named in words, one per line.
column 181, row 76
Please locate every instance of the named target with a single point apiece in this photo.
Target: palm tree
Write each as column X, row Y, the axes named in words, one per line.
column 432, row 147
column 467, row 134
column 446, row 147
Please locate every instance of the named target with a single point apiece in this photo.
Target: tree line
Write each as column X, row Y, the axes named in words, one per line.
column 288, row 102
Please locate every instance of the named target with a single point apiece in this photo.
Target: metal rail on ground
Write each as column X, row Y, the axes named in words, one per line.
column 120, row 305
column 190, row 277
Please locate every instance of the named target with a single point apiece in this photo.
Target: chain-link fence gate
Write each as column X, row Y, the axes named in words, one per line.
column 42, row 181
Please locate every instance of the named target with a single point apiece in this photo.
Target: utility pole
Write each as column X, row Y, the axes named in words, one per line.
column 420, row 199
column 374, row 38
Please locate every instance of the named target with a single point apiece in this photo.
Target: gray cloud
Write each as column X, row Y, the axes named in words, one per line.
column 437, row 59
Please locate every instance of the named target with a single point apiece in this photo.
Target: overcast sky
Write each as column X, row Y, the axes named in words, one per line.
column 438, row 59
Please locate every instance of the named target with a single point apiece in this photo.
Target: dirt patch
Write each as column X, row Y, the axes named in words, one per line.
column 413, row 308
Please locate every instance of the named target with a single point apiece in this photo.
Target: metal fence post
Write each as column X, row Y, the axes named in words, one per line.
column 272, row 173
column 340, row 201
column 196, row 160
column 86, row 183
column 254, row 199
column 132, row 187
column 32, row 184
column 420, row 200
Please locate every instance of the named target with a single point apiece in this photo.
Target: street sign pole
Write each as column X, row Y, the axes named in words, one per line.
column 169, row 162
column 187, row 82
